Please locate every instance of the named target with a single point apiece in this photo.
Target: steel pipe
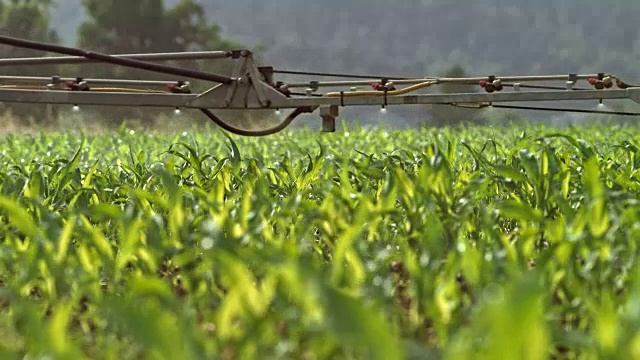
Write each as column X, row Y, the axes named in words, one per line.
column 65, row 60
column 466, row 98
column 95, row 98
column 131, row 63
column 466, row 80
column 46, row 80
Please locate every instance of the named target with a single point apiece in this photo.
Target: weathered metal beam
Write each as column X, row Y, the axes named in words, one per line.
column 10, row 79
column 95, row 98
column 215, row 99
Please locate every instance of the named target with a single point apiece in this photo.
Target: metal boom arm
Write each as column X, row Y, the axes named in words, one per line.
column 251, row 87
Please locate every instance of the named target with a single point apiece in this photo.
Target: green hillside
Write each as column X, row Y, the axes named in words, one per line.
column 486, row 36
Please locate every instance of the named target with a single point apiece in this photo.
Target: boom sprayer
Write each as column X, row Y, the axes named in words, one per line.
column 253, row 87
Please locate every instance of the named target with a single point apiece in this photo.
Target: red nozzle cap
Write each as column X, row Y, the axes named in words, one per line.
column 483, row 83
column 592, row 81
column 375, row 86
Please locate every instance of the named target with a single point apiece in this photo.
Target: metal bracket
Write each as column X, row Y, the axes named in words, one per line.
column 250, row 91
column 634, row 94
column 237, row 73
column 329, row 114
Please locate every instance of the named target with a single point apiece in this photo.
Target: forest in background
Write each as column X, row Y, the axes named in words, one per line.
column 423, row 36
column 412, row 37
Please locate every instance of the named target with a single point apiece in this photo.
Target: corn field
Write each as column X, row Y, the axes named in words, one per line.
column 483, row 243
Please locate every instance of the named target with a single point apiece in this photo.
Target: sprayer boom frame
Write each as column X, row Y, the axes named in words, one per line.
column 251, row 87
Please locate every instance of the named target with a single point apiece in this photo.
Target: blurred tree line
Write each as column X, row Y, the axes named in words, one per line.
column 29, row 20
column 412, row 37
column 409, row 36
column 434, row 37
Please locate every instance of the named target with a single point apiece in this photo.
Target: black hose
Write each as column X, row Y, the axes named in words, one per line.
column 164, row 69
column 264, row 132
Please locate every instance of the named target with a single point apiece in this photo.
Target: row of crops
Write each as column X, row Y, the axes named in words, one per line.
column 366, row 243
